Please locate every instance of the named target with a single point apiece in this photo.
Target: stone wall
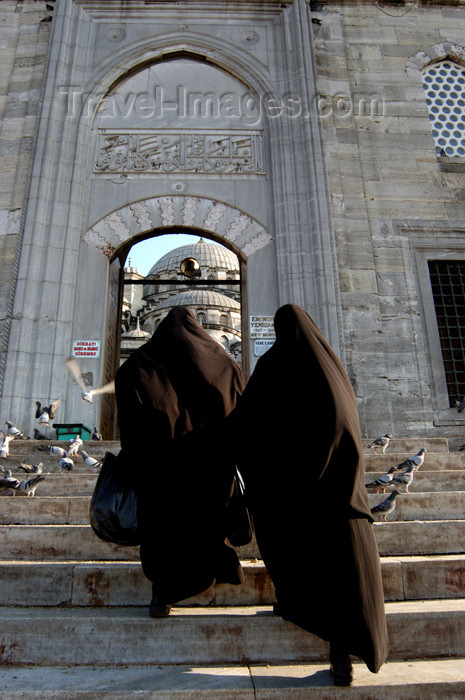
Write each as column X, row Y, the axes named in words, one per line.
column 24, row 38
column 391, row 197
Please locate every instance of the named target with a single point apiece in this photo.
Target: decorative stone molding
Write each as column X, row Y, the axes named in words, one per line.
column 225, row 221
column 433, row 54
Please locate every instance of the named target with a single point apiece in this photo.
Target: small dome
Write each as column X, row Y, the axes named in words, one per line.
column 200, row 297
column 209, row 255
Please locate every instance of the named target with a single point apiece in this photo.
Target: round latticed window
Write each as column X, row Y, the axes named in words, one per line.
column 444, row 85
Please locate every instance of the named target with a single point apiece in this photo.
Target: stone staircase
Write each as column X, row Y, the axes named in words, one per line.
column 74, row 610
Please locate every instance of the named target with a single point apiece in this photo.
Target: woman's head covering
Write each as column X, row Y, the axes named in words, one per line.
column 206, row 379
column 300, row 399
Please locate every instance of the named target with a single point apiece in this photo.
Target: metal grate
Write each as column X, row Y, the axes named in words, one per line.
column 448, row 285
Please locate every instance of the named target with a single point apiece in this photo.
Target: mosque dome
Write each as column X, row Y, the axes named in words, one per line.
column 209, row 255
column 200, row 297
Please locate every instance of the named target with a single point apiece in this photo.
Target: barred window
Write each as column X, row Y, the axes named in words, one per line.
column 202, row 318
column 444, row 84
column 448, row 286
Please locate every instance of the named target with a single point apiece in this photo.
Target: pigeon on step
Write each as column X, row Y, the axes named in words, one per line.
column 405, row 478
column 28, row 488
column 415, row 461
column 380, row 442
column 31, row 468
column 39, row 436
column 5, row 444
column 386, row 507
column 96, row 435
column 66, row 464
column 74, row 446
column 90, row 461
column 382, row 481
column 54, row 450
column 15, row 432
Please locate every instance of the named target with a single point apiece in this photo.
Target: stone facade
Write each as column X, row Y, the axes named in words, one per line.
column 296, row 134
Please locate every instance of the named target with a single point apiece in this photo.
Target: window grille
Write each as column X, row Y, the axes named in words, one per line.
column 448, row 286
column 444, row 84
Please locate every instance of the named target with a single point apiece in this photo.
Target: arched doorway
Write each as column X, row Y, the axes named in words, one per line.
column 116, row 233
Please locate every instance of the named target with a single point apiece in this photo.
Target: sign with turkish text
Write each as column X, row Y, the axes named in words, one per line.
column 86, row 348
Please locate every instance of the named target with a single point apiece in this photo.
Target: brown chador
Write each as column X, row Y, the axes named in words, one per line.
column 300, row 454
column 180, row 381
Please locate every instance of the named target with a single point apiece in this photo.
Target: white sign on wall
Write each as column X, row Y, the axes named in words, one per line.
column 262, row 327
column 86, row 348
column 262, row 333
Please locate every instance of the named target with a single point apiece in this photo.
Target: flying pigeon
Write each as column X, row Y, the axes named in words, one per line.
column 28, row 488
column 382, row 481
column 66, row 464
column 96, row 435
column 39, row 436
column 5, row 448
column 46, row 413
column 31, row 468
column 73, row 447
column 15, row 432
column 414, row 461
column 387, row 506
column 382, row 442
column 86, row 393
column 54, row 450
column 90, row 461
column 405, row 478
column 460, row 405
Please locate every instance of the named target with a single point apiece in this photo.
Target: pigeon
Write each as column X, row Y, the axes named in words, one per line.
column 46, row 413
column 74, row 446
column 5, row 448
column 405, row 478
column 460, row 405
column 462, row 447
column 9, row 483
column 32, row 468
column 66, row 464
column 382, row 481
column 90, row 461
column 414, row 461
column 15, row 432
column 96, row 435
column 28, row 488
column 39, row 436
column 387, row 506
column 87, row 394
column 382, row 442
column 54, row 450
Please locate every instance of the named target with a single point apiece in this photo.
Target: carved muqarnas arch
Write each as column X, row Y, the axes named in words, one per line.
column 245, row 234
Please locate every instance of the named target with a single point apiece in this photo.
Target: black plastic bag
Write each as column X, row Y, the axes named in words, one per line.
column 113, row 507
column 239, row 523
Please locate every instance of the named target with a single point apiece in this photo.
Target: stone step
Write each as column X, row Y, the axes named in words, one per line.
column 411, row 445
column 74, row 510
column 32, row 583
column 432, row 463
column 26, row 447
column 423, row 481
column 397, row 680
column 82, row 484
column 212, row 636
column 78, row 542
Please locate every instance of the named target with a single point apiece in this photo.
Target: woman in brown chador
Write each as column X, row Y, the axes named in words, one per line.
column 180, row 382
column 303, row 470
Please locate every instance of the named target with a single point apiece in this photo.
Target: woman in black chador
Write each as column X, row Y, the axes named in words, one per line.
column 303, row 470
column 180, row 381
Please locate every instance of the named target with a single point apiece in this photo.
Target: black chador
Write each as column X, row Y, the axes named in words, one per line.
column 301, row 458
column 181, row 381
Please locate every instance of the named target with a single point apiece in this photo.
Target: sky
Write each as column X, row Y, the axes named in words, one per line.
column 146, row 253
